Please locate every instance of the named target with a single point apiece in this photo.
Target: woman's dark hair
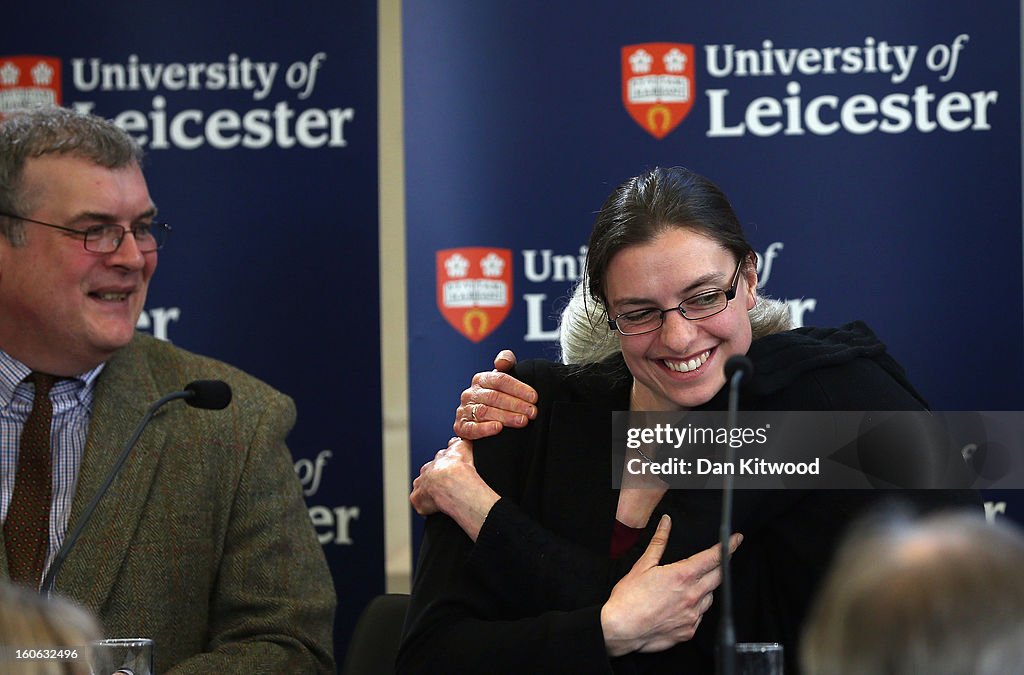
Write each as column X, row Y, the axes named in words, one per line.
column 647, row 205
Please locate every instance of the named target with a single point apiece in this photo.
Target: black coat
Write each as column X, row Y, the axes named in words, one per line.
column 526, row 598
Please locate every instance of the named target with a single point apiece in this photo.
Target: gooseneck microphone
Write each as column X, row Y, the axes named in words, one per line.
column 737, row 369
column 205, row 394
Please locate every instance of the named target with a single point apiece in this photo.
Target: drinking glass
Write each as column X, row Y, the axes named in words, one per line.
column 758, row 658
column 122, row 656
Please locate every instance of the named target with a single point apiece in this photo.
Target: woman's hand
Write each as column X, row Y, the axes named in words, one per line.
column 494, row 400
column 450, row 484
column 654, row 606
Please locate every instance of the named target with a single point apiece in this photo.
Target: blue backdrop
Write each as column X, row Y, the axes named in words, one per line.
column 872, row 152
column 261, row 131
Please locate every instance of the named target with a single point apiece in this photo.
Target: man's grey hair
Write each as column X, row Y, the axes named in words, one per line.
column 52, row 130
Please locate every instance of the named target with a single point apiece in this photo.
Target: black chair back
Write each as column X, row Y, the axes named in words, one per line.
column 378, row 632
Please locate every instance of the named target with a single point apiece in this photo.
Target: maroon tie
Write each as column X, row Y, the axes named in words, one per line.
column 27, row 528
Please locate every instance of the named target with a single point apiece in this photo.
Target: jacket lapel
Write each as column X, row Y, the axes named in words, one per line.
column 124, row 391
column 3, row 556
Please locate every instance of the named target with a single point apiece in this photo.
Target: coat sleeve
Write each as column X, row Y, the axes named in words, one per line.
column 271, row 608
column 521, row 599
column 455, row 624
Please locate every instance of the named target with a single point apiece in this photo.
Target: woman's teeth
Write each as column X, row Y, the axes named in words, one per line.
column 687, row 366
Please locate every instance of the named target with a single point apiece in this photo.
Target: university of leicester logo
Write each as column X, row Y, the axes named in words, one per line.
column 658, row 84
column 474, row 288
column 29, row 81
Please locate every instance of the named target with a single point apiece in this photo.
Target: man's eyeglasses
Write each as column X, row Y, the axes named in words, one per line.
column 700, row 306
column 107, row 238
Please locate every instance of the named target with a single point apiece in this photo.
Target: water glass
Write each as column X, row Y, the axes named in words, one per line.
column 122, row 656
column 758, row 658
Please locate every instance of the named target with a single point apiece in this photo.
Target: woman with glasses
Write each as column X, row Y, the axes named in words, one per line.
column 535, row 563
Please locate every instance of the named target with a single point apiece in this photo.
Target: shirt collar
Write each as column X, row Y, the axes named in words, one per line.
column 13, row 372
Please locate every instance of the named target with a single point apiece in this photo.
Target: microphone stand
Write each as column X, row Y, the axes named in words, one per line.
column 204, row 394
column 735, row 368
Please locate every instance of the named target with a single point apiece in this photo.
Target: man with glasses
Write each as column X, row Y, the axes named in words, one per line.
column 203, row 542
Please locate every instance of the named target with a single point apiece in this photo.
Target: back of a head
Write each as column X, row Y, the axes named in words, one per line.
column 583, row 332
column 30, row 621
column 943, row 595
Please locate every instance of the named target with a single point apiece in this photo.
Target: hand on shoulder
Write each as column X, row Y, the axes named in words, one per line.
column 495, row 399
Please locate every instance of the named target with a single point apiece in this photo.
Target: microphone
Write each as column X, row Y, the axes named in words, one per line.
column 737, row 368
column 737, row 364
column 208, row 394
column 204, row 394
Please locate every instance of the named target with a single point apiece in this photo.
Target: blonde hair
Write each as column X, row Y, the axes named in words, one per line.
column 29, row 621
column 942, row 595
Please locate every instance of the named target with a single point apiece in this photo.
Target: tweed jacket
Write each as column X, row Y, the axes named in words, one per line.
column 203, row 542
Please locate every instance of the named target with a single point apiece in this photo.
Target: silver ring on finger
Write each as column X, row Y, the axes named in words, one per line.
column 472, row 411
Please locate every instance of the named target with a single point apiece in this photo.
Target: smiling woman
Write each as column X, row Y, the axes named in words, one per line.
column 536, row 564
column 678, row 360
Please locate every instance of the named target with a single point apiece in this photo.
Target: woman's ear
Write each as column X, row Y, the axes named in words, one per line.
column 750, row 275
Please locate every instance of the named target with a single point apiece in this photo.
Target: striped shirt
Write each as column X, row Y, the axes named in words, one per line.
column 72, row 410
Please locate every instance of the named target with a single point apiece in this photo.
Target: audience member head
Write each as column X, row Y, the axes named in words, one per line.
column 30, row 621
column 944, row 594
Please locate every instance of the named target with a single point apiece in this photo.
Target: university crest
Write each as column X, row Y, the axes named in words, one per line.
column 29, row 81
column 474, row 288
column 658, row 84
